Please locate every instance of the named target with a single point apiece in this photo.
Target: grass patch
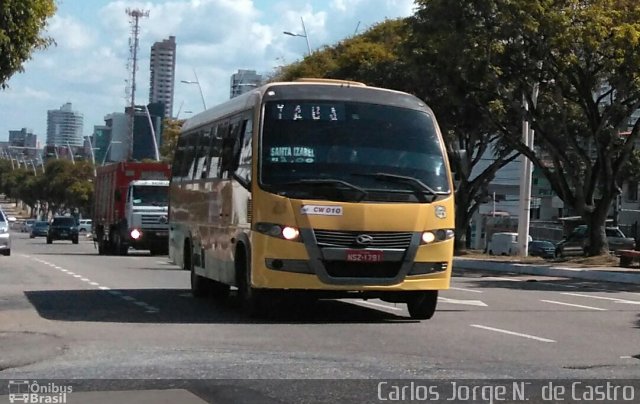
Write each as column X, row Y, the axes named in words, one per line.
column 607, row 260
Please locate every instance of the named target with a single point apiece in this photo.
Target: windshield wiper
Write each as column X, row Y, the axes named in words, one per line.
column 414, row 183
column 330, row 181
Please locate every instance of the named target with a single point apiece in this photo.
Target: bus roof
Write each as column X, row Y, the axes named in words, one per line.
column 312, row 89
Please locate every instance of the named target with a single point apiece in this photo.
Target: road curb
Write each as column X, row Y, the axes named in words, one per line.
column 594, row 274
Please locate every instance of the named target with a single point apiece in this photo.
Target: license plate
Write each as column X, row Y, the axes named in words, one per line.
column 63, row 234
column 162, row 233
column 364, row 255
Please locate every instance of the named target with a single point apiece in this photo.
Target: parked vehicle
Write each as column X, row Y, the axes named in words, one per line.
column 27, row 225
column 131, row 207
column 542, row 248
column 85, row 226
column 63, row 228
column 39, row 229
column 504, row 243
column 5, row 236
column 577, row 242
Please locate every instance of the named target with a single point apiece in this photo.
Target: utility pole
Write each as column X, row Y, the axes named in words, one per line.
column 135, row 15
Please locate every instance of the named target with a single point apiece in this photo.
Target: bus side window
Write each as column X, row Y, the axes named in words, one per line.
column 243, row 162
column 202, row 149
column 215, row 147
column 178, row 160
column 225, row 137
column 189, row 157
column 229, row 150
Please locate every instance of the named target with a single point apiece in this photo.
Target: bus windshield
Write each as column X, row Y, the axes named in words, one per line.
column 372, row 152
column 150, row 195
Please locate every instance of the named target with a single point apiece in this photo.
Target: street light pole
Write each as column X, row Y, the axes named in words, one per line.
column 305, row 36
column 153, row 134
column 73, row 160
column 93, row 157
column 204, row 105
column 524, row 215
column 106, row 153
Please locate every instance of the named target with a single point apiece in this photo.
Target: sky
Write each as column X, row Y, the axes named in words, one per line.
column 214, row 38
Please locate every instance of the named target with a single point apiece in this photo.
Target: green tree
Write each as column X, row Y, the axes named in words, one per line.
column 68, row 186
column 584, row 55
column 21, row 26
column 170, row 136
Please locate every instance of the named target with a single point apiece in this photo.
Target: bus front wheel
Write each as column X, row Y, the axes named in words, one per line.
column 422, row 305
column 252, row 300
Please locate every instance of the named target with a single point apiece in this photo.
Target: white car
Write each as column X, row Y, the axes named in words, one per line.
column 27, row 225
column 85, row 226
column 5, row 236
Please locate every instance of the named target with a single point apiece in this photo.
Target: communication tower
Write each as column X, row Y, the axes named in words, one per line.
column 132, row 67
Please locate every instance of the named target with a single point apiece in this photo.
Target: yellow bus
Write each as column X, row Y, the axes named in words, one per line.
column 323, row 188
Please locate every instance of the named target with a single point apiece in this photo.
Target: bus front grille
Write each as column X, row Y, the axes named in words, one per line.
column 346, row 269
column 333, row 238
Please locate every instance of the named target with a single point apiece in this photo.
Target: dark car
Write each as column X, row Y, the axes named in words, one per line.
column 542, row 248
column 39, row 229
column 576, row 243
column 63, row 228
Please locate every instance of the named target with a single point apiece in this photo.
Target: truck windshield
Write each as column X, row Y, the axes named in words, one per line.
column 150, row 195
column 391, row 153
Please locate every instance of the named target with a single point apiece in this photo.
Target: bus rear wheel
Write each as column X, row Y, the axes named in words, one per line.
column 422, row 305
column 199, row 286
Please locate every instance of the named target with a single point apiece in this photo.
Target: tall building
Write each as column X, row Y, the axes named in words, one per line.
column 243, row 81
column 23, row 138
column 162, row 77
column 117, row 148
column 100, row 141
column 64, row 127
column 143, row 135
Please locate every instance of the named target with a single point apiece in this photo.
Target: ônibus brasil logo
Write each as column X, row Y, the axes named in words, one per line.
column 32, row 392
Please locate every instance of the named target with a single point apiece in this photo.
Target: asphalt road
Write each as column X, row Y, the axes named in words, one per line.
column 124, row 322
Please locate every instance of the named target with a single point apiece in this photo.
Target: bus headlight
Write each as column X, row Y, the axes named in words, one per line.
column 136, row 234
column 275, row 230
column 429, row 237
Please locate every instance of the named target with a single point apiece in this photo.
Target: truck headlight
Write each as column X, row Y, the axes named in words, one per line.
column 136, row 234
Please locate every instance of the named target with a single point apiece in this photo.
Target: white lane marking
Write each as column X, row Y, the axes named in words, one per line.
column 517, row 334
column 613, row 299
column 459, row 301
column 384, row 306
column 149, row 308
column 500, row 278
column 467, row 290
column 574, row 305
column 559, row 286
